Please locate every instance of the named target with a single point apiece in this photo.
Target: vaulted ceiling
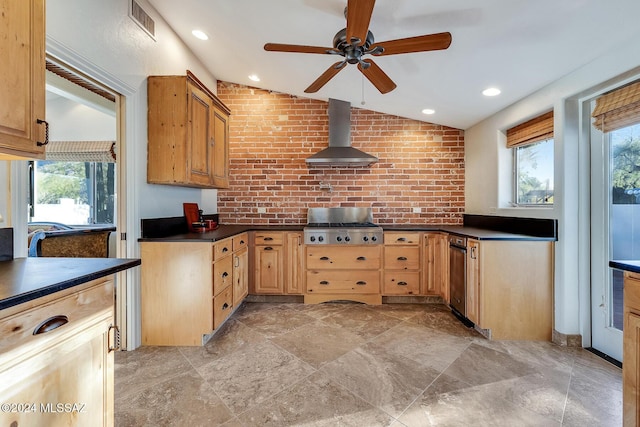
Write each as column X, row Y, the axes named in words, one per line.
column 518, row 46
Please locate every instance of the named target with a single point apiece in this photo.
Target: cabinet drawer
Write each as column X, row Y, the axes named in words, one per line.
column 401, row 238
column 347, row 282
column 268, row 238
column 222, row 274
column 343, row 257
column 402, row 257
column 18, row 329
column 222, row 306
column 240, row 241
column 222, row 248
column 401, row 283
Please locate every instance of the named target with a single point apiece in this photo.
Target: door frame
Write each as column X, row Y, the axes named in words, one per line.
column 128, row 208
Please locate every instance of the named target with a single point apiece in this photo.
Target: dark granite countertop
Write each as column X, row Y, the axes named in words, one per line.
column 632, row 266
column 25, row 279
column 224, row 231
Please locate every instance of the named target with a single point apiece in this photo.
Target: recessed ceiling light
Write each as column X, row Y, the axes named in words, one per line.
column 428, row 111
column 492, row 91
column 254, row 78
column 200, row 34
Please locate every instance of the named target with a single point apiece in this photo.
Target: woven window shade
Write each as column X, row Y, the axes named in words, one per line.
column 618, row 109
column 536, row 129
column 81, row 151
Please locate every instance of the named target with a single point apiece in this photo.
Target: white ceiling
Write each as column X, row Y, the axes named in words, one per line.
column 518, row 46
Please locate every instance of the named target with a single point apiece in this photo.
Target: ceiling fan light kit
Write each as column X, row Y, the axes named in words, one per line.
column 355, row 41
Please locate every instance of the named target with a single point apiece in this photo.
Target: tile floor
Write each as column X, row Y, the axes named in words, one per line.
column 275, row 364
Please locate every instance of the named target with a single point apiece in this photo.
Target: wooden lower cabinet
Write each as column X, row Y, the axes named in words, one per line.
column 188, row 289
column 240, row 275
column 631, row 350
column 401, row 283
column 278, row 263
column 436, row 265
column 64, row 376
column 510, row 284
column 402, row 263
column 343, row 273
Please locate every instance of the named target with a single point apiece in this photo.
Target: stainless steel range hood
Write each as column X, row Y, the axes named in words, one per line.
column 340, row 152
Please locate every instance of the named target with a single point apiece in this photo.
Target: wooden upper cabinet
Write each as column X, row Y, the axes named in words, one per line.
column 22, row 79
column 188, row 138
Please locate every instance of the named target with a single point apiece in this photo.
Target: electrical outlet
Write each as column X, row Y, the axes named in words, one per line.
column 417, row 210
column 262, row 210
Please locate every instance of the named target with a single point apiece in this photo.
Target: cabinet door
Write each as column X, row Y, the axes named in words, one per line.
column 268, row 274
column 293, row 262
column 22, row 81
column 473, row 281
column 220, row 174
column 240, row 275
column 436, row 265
column 199, row 136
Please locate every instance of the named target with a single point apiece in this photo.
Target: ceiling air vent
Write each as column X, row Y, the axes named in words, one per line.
column 143, row 20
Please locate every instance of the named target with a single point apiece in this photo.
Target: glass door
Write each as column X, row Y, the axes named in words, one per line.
column 615, row 229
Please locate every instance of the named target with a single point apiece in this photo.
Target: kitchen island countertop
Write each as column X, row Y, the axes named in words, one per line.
column 25, row 279
column 627, row 265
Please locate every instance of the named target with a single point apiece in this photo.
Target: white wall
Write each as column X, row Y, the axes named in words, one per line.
column 71, row 121
column 102, row 33
column 488, row 173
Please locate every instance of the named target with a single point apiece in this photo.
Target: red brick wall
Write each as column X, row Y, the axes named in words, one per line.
column 420, row 164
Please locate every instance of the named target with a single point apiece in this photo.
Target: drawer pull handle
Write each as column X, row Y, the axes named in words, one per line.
column 268, row 248
column 361, row 258
column 402, row 283
column 324, row 258
column 267, row 239
column 225, row 306
column 225, row 249
column 361, row 283
column 116, row 338
column 50, row 324
column 242, row 242
column 402, row 258
column 324, row 282
column 225, row 274
column 401, row 239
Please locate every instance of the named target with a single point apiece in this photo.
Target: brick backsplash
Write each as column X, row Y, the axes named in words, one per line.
column 421, row 165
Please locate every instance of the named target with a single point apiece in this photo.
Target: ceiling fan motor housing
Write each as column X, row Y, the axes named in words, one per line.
column 350, row 50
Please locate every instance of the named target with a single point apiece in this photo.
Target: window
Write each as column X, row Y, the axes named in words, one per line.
column 533, row 171
column 532, row 144
column 72, row 193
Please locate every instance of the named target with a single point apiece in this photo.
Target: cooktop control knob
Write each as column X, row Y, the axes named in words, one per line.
column 339, row 239
column 320, row 239
column 365, row 238
column 374, row 238
column 346, row 239
column 312, row 238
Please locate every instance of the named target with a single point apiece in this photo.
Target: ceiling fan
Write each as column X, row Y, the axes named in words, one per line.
column 355, row 41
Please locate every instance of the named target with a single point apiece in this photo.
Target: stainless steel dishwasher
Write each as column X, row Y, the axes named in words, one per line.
column 458, row 274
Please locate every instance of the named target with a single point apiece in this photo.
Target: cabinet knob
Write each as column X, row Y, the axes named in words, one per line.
column 225, row 274
column 225, row 249
column 225, row 306
column 50, row 324
column 242, row 242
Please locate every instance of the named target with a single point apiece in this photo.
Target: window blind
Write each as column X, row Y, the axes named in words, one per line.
column 534, row 130
column 81, row 151
column 617, row 109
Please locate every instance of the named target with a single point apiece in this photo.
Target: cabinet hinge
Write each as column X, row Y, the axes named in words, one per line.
column 123, row 236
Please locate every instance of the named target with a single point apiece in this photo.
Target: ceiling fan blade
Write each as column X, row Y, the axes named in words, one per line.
column 278, row 47
column 424, row 43
column 377, row 77
column 358, row 18
column 325, row 77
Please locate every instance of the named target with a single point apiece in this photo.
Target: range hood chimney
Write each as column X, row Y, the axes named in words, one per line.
column 340, row 152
